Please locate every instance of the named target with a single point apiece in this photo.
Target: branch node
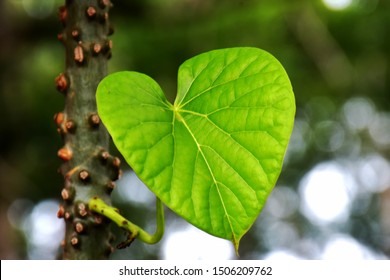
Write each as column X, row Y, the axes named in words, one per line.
column 62, row 83
column 96, row 48
column 70, row 126
column 74, row 241
column 94, row 120
column 78, row 54
column 65, row 153
column 82, row 209
column 68, row 216
column 104, row 155
column 76, row 34
column 68, row 193
column 84, row 176
column 65, row 194
column 91, row 12
column 98, row 220
column 61, row 212
column 79, row 227
column 116, row 162
column 59, row 118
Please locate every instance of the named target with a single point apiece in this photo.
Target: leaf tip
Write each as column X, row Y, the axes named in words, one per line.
column 236, row 244
column 236, row 249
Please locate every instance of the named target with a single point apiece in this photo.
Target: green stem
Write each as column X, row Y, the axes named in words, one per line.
column 99, row 206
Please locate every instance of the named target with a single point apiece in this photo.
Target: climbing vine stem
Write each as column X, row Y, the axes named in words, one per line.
column 99, row 206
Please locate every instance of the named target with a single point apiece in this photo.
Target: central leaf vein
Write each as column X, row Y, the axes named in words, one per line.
column 212, row 175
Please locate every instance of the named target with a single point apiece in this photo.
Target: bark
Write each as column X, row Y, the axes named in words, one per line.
column 88, row 169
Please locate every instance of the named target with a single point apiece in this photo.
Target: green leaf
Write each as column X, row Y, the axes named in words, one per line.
column 213, row 156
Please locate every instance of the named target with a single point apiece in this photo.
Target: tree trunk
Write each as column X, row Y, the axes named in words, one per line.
column 88, row 169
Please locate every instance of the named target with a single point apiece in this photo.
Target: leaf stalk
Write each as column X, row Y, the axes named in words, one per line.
column 97, row 205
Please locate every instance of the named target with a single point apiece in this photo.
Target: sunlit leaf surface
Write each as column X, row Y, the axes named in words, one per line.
column 213, row 156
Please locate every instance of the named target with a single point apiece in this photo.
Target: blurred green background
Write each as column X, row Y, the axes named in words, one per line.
column 332, row 200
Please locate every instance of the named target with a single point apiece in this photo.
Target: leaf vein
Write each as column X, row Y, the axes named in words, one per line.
column 210, row 171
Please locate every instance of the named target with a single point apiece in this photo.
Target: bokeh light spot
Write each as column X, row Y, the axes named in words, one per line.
column 337, row 4
column 344, row 247
column 282, row 203
column 373, row 172
column 329, row 136
column 358, row 113
column 326, row 192
column 43, row 230
column 281, row 255
column 190, row 243
column 380, row 129
column 131, row 189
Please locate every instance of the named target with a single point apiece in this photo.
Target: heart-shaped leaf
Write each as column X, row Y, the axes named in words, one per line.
column 213, row 156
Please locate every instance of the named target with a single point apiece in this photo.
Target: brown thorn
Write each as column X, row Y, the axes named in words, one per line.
column 84, row 175
column 61, row 82
column 65, row 194
column 79, row 227
column 76, row 34
column 59, row 118
column 109, row 44
column 96, row 48
column 94, row 120
column 82, row 210
column 91, row 12
column 116, row 162
column 61, row 212
column 98, row 219
column 65, row 153
column 74, row 241
column 67, row 215
column 70, row 126
column 78, row 54
column 104, row 155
